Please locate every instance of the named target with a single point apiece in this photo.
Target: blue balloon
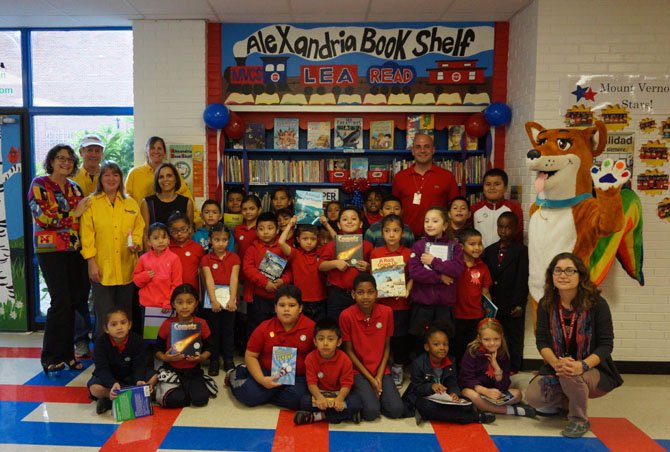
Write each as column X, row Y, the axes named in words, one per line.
column 498, row 114
column 216, row 116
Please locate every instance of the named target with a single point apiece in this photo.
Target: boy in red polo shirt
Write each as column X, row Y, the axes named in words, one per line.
column 475, row 281
column 367, row 328
column 262, row 306
column 330, row 376
column 304, row 262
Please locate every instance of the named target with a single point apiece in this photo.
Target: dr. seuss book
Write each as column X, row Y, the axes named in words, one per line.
column 272, row 265
column 349, row 133
column 284, row 361
column 442, row 251
column 358, row 167
column 455, row 137
column 185, row 338
column 308, row 206
column 349, row 248
column 132, row 402
column 318, row 135
column 286, row 133
column 389, row 273
column 381, row 135
column 254, row 136
column 423, row 123
column 222, row 294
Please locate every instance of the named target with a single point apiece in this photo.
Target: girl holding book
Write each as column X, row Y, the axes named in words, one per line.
column 485, row 373
column 221, row 270
column 192, row 388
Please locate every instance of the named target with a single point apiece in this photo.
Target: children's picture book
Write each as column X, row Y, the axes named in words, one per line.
column 272, row 266
column 349, row 248
column 471, row 143
column 443, row 251
column 381, row 135
column 232, row 219
column 504, row 399
column 132, row 402
column 284, row 361
column 349, row 134
column 254, row 135
column 389, row 273
column 153, row 319
column 308, row 206
column 338, row 164
column 490, row 309
column 359, row 167
column 330, row 397
column 185, row 338
column 455, row 141
column 419, row 123
column 222, row 293
column 318, row 135
column 445, row 399
column 286, row 133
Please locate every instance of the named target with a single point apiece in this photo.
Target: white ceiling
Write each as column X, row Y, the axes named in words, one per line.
column 95, row 13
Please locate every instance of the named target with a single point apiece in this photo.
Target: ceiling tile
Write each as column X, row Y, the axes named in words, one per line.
column 28, row 8
column 257, row 18
column 93, row 7
column 330, row 18
column 40, row 21
column 407, row 8
column 188, row 8
column 488, row 6
column 250, row 7
column 325, row 9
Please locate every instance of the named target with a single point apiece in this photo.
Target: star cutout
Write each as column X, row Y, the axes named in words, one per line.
column 579, row 92
column 590, row 95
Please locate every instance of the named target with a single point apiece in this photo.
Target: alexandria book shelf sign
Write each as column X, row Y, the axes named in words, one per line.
column 448, row 64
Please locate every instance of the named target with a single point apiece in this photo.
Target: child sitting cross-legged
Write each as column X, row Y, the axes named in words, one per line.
column 330, row 376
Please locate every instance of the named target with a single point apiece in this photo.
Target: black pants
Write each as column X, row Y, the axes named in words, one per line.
column 465, row 331
column 433, row 411
column 222, row 339
column 260, row 310
column 514, row 333
column 66, row 277
column 192, row 390
column 315, row 310
column 338, row 300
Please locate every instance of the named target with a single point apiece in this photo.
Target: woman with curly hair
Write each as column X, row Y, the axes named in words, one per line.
column 575, row 336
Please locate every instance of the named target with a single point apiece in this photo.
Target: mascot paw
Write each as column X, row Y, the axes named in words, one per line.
column 610, row 174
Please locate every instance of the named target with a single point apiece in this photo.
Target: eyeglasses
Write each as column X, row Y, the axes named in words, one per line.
column 568, row 271
column 179, row 231
column 62, row 159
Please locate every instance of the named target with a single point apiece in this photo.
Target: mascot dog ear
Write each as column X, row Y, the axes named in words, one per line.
column 596, row 136
column 533, row 129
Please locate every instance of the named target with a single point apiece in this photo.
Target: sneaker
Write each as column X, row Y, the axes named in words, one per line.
column 397, row 375
column 213, row 370
column 486, row 418
column 103, row 405
column 576, row 429
column 356, row 417
column 81, row 349
column 227, row 365
column 229, row 374
column 303, row 417
column 417, row 417
column 528, row 411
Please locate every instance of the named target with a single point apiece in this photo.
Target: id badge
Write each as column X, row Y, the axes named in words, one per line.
column 417, row 199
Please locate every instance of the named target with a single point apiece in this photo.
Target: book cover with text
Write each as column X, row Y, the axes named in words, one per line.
column 308, row 206
column 286, row 133
column 381, row 135
column 132, row 402
column 284, row 363
column 185, row 338
column 389, row 273
column 318, row 135
column 349, row 248
column 419, row 123
column 348, row 134
column 254, row 136
column 272, row 265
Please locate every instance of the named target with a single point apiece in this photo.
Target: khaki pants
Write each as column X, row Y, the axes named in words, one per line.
column 572, row 393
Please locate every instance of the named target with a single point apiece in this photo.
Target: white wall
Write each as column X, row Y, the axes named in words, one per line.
column 170, row 81
column 550, row 39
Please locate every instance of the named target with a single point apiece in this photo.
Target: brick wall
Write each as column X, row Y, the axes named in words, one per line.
column 549, row 39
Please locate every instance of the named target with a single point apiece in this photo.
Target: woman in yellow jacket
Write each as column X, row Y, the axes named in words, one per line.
column 111, row 236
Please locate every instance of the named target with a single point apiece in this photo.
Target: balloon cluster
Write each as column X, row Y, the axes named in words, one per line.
column 356, row 187
column 496, row 114
column 217, row 116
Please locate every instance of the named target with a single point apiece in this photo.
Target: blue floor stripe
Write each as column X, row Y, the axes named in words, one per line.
column 665, row 443
column 547, row 443
column 61, row 378
column 210, row 438
column 387, row 442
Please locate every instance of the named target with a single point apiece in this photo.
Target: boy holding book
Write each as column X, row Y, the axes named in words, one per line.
column 330, row 376
column 390, row 205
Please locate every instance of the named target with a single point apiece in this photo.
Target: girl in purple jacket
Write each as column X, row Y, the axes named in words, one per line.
column 435, row 264
column 485, row 373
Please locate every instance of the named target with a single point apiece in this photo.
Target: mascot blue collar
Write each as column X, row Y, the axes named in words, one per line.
column 561, row 203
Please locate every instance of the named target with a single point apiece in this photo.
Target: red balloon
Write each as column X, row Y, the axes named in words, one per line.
column 235, row 127
column 476, row 126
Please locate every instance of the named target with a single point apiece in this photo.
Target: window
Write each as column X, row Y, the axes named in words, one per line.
column 269, row 67
column 11, row 70
column 281, row 67
column 440, row 75
column 472, row 75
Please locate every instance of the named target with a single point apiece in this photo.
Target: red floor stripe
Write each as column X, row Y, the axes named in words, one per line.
column 145, row 433
column 455, row 437
column 20, row 352
column 296, row 438
column 59, row 394
column 621, row 435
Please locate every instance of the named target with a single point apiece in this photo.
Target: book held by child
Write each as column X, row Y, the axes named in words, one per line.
column 389, row 273
column 284, row 363
column 505, row 398
column 349, row 248
column 132, row 402
column 308, row 206
column 272, row 265
column 222, row 293
column 185, row 338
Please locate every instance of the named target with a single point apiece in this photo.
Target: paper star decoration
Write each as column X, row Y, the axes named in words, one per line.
column 590, row 95
column 579, row 92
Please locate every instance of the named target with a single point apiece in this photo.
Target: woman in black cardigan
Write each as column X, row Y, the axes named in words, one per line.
column 575, row 337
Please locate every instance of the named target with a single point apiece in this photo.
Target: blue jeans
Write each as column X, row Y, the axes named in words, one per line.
column 251, row 393
column 389, row 403
column 353, row 406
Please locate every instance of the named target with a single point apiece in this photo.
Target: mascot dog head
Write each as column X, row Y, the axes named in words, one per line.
column 563, row 158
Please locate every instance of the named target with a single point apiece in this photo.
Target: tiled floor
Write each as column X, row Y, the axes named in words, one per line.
column 39, row 413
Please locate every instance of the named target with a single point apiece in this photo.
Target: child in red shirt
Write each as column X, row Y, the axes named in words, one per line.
column 187, row 250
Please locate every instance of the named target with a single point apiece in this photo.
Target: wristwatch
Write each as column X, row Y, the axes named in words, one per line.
column 585, row 366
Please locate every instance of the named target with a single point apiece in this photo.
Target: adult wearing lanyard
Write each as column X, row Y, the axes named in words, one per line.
column 575, row 337
column 423, row 185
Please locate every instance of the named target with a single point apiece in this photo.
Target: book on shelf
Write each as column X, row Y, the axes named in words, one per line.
column 471, row 143
column 419, row 123
column 284, row 362
column 389, row 273
column 443, row 251
column 330, row 397
column 349, row 248
column 318, row 135
column 185, row 338
column 286, row 133
column 348, row 133
column 445, row 399
column 381, row 135
column 455, row 135
column 283, row 171
column 338, row 164
column 222, row 294
column 272, row 265
column 359, row 167
column 490, row 309
column 308, row 206
column 132, row 402
column 504, row 398
column 233, row 168
column 153, row 319
column 254, row 136
column 231, row 220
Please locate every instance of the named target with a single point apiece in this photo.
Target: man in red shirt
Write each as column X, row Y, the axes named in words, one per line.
column 423, row 185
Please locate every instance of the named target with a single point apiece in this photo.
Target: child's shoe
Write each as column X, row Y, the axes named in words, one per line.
column 229, row 374
column 417, row 417
column 576, row 429
column 303, row 417
column 103, row 405
column 213, row 370
column 397, row 375
column 522, row 409
column 486, row 418
column 81, row 349
column 356, row 417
